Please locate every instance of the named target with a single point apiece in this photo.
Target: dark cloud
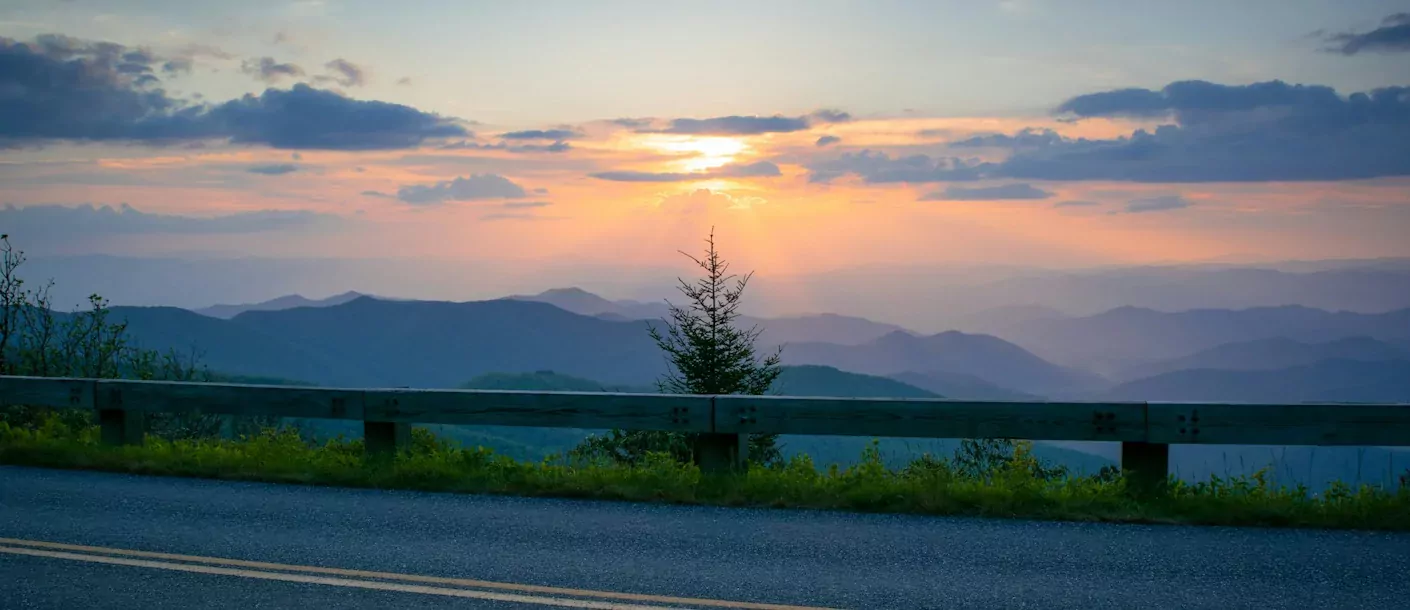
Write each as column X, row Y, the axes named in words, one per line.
column 737, row 125
column 827, row 140
column 374, row 194
column 1199, row 101
column 477, row 186
column 269, row 70
column 305, row 117
column 60, row 88
column 519, row 205
column 541, row 134
column 1156, row 204
column 405, row 80
column 829, row 115
column 1392, row 37
column 760, row 169
column 988, row 193
column 276, row 169
column 632, row 123
column 880, row 168
column 346, row 73
column 56, row 221
column 1268, row 131
column 1026, row 138
column 556, row 147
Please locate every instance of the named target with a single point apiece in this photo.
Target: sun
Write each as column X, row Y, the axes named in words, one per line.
column 706, row 152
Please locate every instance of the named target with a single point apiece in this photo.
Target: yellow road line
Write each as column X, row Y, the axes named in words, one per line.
column 336, row 582
column 462, row 582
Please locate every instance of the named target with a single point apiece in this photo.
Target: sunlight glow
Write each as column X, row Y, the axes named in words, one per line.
column 706, row 152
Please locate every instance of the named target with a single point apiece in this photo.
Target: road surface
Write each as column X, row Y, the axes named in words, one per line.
column 94, row 540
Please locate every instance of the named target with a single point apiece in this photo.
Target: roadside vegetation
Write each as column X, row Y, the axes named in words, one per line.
column 993, row 478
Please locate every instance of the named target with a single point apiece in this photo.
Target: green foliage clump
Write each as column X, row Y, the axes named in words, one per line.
column 37, row 341
column 1014, row 486
column 708, row 354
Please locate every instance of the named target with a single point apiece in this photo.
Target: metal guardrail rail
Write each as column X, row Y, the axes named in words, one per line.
column 1144, row 429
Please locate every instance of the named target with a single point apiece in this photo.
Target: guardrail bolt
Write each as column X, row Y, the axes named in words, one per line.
column 75, row 396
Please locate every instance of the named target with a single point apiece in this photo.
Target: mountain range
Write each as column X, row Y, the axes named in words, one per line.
column 984, row 357
column 276, row 304
column 1117, row 339
column 827, row 327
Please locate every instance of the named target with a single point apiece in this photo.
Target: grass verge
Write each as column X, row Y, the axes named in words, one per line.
column 1014, row 489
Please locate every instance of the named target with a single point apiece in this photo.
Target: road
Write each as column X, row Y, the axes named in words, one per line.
column 500, row 552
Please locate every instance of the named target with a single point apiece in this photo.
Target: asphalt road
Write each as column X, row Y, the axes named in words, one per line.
column 595, row 552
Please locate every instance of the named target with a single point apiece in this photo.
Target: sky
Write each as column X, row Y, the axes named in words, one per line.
column 811, row 136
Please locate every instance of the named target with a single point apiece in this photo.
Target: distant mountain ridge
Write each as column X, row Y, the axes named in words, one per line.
column 1328, row 380
column 827, row 327
column 1120, row 337
column 989, row 358
column 285, row 302
column 1272, row 354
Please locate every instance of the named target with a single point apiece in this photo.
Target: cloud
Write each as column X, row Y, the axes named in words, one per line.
column 556, row 147
column 519, row 205
column 477, row 186
column 1076, row 203
column 1156, row 204
column 632, row 123
column 541, row 134
column 346, row 73
column 827, row 140
column 700, row 201
column 404, row 81
column 1269, row 131
column 828, row 115
column 59, row 88
column 492, row 216
column 374, row 194
column 64, row 222
column 1025, row 138
column 880, row 168
column 269, row 70
column 737, row 125
column 760, row 169
column 1392, row 37
column 988, row 193
column 276, row 169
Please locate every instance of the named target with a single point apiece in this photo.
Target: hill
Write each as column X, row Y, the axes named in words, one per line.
column 828, row 328
column 1115, row 339
column 234, row 349
column 543, row 381
column 284, row 302
column 1270, row 354
column 438, row 344
column 961, row 386
column 989, row 358
column 812, row 380
column 1329, row 380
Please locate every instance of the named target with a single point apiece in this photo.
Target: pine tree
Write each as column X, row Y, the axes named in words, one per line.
column 707, row 353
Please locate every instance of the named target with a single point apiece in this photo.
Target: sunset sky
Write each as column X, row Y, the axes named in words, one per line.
column 813, row 135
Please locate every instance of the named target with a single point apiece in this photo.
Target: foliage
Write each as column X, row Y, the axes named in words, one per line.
column 929, row 485
column 35, row 340
column 708, row 353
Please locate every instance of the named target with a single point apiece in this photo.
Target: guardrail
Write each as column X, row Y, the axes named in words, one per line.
column 1145, row 430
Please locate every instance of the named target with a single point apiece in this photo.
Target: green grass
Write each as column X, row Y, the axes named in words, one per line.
column 926, row 486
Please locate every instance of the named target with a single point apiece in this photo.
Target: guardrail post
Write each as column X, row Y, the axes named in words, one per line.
column 1145, row 465
column 117, row 426
column 384, row 438
column 721, row 453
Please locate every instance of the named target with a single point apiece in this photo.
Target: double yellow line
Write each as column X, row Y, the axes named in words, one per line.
column 363, row 579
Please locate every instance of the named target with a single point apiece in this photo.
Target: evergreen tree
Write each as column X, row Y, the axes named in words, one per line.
column 707, row 353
